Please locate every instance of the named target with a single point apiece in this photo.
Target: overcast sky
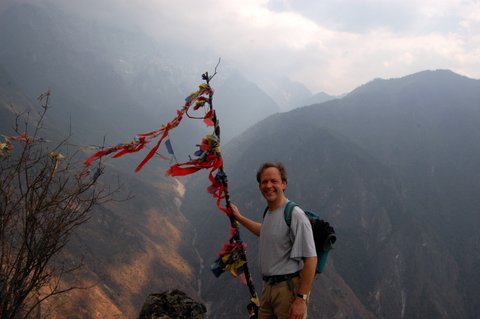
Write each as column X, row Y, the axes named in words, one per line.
column 329, row 45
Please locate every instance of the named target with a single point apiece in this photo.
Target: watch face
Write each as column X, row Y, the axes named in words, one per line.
column 304, row 297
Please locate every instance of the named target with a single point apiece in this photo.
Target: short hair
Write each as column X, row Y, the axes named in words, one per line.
column 277, row 165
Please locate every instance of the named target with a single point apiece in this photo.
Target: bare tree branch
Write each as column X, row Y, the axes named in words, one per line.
column 44, row 197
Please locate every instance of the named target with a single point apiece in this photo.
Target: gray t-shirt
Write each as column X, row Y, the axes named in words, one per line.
column 281, row 248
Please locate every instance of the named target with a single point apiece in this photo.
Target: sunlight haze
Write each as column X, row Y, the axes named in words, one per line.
column 329, row 46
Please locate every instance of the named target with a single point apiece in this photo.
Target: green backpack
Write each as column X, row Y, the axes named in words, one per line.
column 323, row 234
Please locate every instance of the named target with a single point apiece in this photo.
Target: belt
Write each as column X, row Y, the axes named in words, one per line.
column 272, row 280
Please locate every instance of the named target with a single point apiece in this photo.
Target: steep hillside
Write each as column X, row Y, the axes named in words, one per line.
column 425, row 127
column 318, row 98
column 240, row 104
column 111, row 79
column 129, row 250
column 384, row 164
column 355, row 192
column 85, row 89
column 12, row 100
column 286, row 93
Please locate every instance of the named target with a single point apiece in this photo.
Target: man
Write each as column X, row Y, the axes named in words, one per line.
column 287, row 255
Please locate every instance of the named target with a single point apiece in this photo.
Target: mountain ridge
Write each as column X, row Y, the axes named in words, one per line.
column 391, row 233
column 393, row 165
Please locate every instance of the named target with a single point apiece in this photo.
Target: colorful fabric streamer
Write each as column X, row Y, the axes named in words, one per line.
column 56, row 157
column 169, row 147
column 21, row 138
column 7, row 146
column 203, row 94
column 232, row 257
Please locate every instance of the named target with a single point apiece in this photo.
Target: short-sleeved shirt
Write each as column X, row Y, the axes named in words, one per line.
column 281, row 248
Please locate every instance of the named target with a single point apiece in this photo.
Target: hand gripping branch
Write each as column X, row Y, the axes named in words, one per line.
column 232, row 257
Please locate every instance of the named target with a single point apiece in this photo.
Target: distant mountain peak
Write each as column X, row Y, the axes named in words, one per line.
column 426, row 78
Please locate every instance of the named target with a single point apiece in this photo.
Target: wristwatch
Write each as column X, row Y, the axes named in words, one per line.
column 304, row 297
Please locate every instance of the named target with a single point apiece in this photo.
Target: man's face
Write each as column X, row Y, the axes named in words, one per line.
column 271, row 185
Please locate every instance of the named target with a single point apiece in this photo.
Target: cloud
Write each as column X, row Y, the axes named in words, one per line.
column 332, row 45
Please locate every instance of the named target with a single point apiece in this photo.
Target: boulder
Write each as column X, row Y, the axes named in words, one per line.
column 172, row 304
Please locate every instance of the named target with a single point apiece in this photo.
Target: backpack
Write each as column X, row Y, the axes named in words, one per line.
column 323, row 234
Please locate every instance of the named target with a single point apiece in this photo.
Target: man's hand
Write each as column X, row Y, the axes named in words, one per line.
column 235, row 211
column 298, row 308
column 251, row 225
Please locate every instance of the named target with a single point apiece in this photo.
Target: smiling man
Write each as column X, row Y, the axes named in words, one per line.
column 287, row 254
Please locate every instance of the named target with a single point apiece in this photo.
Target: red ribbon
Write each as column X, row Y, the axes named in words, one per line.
column 145, row 138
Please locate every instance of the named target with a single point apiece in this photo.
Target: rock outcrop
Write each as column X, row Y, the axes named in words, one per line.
column 172, row 304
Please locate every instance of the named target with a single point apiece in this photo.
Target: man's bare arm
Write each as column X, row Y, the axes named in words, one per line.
column 249, row 224
column 307, row 275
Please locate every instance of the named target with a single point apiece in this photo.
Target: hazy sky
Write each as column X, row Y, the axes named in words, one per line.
column 329, row 45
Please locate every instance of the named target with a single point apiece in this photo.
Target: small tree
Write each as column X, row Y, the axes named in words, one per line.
column 44, row 197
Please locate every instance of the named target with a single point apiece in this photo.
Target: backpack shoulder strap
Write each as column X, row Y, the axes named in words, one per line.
column 287, row 213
